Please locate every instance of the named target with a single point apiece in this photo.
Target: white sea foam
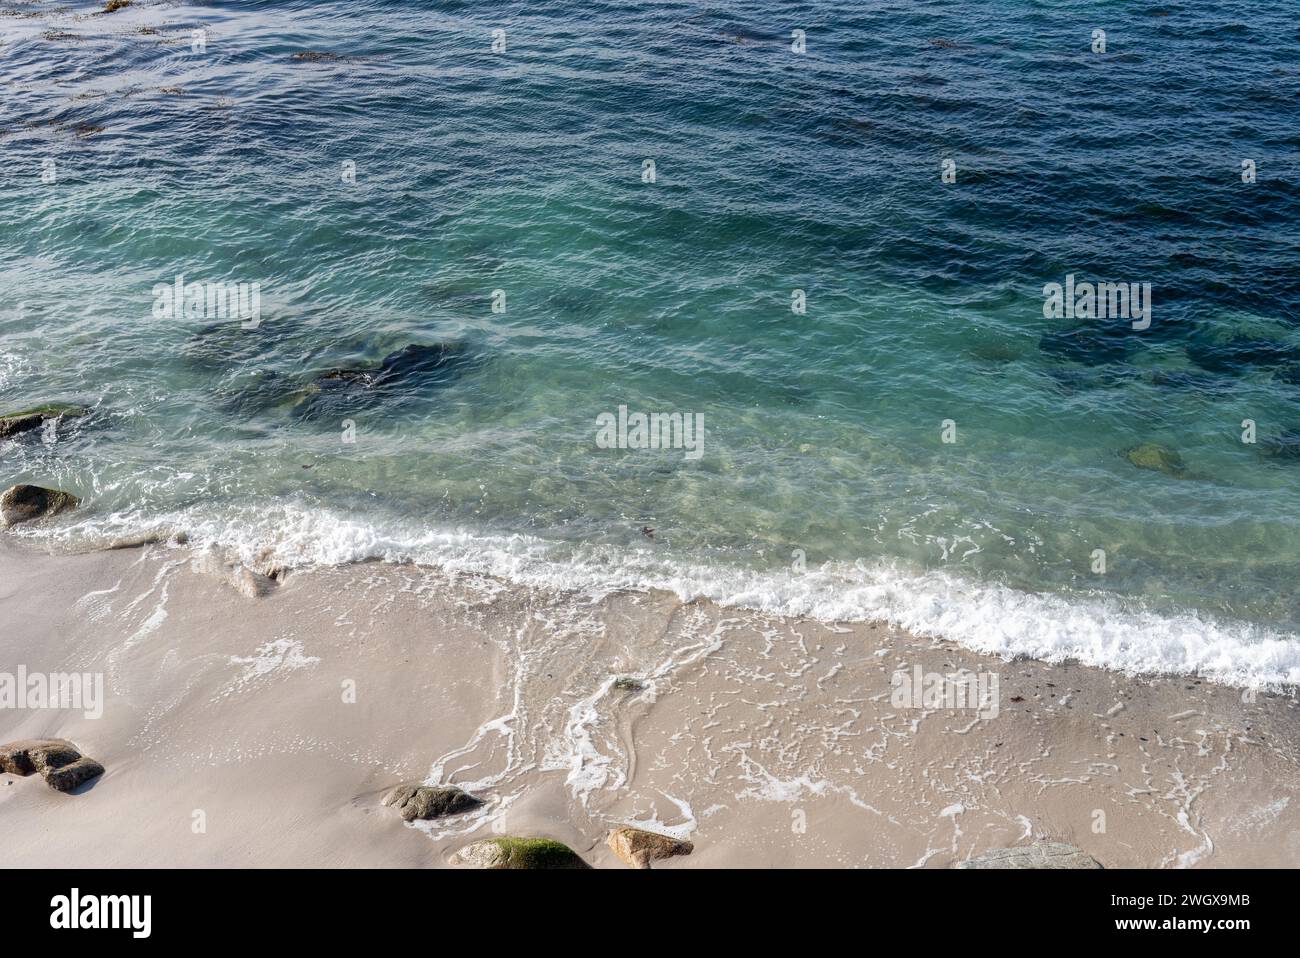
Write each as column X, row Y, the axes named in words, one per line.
column 1097, row 629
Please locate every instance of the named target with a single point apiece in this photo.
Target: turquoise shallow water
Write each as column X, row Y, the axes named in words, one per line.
column 824, row 486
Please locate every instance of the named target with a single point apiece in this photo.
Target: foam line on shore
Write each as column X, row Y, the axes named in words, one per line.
column 1095, row 629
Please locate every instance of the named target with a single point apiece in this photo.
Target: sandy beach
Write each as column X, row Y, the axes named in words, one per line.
column 263, row 731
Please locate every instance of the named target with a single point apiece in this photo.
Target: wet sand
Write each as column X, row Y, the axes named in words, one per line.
column 242, row 731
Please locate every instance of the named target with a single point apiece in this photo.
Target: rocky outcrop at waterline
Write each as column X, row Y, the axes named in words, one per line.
column 24, row 503
column 429, row 801
column 57, row 761
column 1049, row 855
column 15, row 423
column 638, row 848
column 518, row 853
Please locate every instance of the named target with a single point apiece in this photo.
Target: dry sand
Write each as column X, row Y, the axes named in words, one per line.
column 767, row 742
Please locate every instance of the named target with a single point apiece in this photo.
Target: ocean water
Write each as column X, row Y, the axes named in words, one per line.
column 406, row 183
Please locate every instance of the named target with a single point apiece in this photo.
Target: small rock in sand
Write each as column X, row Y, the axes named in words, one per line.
column 35, row 755
column 58, row 761
column 429, row 801
column 638, row 847
column 537, row 853
column 67, row 777
column 252, row 584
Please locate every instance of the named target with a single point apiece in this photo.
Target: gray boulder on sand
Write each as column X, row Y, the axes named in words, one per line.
column 58, row 761
column 638, row 847
column 1039, row 855
column 535, row 853
column 24, row 503
column 429, row 801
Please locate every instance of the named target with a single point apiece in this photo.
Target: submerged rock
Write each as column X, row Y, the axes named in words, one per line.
column 58, row 761
column 429, row 801
column 252, row 392
column 27, row 503
column 1038, row 855
column 226, row 343
column 439, row 361
column 996, row 351
column 627, row 684
column 1240, row 353
column 1196, row 381
column 533, row 853
column 638, row 847
column 1092, row 343
column 411, row 367
column 13, row 423
column 250, row 388
column 1071, row 380
column 1151, row 455
column 318, row 56
column 1284, row 446
column 1290, row 375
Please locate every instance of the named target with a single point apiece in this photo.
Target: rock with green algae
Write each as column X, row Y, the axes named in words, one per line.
column 532, row 853
column 26, row 503
column 430, row 801
column 1151, row 455
column 13, row 423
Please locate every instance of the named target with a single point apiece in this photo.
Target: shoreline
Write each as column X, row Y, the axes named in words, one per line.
column 1109, row 630
column 764, row 740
